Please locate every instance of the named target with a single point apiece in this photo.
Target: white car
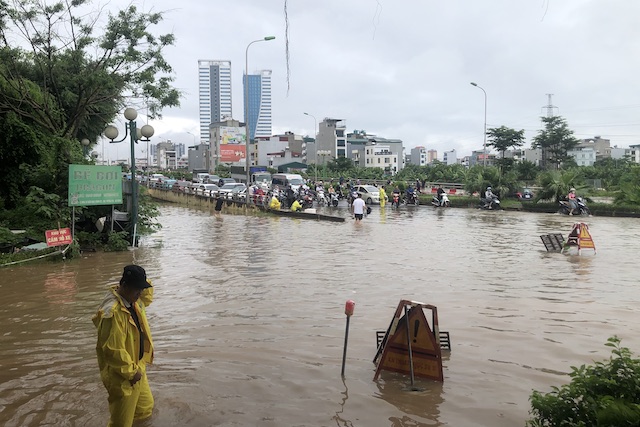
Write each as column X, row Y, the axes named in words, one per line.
column 225, row 190
column 207, row 190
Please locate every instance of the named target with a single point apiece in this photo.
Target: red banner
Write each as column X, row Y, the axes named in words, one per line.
column 58, row 237
column 230, row 153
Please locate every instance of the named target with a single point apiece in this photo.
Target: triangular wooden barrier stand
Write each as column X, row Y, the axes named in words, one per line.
column 393, row 352
column 581, row 237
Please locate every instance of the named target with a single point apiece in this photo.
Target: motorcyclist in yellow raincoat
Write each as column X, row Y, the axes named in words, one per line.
column 125, row 347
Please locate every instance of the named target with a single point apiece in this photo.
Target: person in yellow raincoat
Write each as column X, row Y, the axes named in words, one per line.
column 296, row 206
column 274, row 203
column 125, row 347
column 383, row 196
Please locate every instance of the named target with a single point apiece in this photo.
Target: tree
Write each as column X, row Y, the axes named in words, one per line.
column 503, row 138
column 63, row 77
column 556, row 184
column 71, row 82
column 554, row 140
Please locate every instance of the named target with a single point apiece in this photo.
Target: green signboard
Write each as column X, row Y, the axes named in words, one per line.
column 91, row 185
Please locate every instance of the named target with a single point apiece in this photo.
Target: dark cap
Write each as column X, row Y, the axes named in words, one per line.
column 134, row 276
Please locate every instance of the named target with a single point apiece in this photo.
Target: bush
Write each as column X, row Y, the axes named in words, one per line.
column 605, row 394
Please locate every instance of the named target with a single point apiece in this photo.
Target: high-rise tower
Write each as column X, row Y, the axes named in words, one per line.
column 214, row 94
column 259, row 104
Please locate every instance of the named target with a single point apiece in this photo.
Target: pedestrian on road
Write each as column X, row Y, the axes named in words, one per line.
column 359, row 207
column 125, row 347
column 383, row 197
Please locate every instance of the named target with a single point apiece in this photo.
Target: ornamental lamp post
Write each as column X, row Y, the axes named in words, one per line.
column 315, row 142
column 135, row 134
column 484, row 150
column 85, row 146
column 246, row 109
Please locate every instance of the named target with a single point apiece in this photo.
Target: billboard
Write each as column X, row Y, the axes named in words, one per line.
column 232, row 135
column 232, row 144
column 231, row 153
column 91, row 185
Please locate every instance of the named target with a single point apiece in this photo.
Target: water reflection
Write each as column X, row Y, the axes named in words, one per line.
column 248, row 318
column 417, row 404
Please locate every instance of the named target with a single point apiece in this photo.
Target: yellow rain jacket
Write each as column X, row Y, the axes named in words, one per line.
column 274, row 204
column 296, row 206
column 119, row 341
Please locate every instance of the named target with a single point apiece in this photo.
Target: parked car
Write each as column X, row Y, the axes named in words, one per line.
column 223, row 181
column 238, row 193
column 207, row 189
column 226, row 189
column 369, row 193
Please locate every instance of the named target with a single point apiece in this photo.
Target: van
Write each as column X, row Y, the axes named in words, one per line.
column 284, row 179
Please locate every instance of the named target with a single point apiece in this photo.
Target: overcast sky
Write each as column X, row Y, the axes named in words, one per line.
column 402, row 68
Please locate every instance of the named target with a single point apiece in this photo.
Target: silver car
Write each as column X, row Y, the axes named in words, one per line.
column 369, row 193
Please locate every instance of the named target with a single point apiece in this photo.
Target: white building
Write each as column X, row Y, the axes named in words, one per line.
column 449, row 157
column 214, row 94
column 583, row 156
column 378, row 155
column 259, row 104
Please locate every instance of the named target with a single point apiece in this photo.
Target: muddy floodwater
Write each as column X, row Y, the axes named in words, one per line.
column 248, row 318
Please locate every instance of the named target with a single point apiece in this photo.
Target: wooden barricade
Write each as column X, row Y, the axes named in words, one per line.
column 410, row 345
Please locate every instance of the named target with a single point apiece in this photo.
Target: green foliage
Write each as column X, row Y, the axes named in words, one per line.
column 556, row 184
column 147, row 212
column 555, row 140
column 604, row 394
column 117, row 241
column 7, row 237
column 503, row 138
column 629, row 187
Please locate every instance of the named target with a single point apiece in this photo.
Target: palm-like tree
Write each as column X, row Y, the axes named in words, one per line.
column 556, row 184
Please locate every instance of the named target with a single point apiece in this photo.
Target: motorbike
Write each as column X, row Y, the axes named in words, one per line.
column 441, row 203
column 490, row 204
column 333, row 199
column 306, row 201
column 412, row 199
column 582, row 209
column 395, row 200
column 320, row 197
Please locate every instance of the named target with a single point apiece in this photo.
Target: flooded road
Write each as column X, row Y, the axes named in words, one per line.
column 248, row 318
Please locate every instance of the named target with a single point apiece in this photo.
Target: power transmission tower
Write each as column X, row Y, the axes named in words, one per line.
column 550, row 107
column 550, row 113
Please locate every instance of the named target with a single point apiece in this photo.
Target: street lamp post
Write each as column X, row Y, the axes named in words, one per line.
column 484, row 150
column 246, row 109
column 135, row 135
column 315, row 142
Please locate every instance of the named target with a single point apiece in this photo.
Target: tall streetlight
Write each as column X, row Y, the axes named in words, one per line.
column 315, row 142
column 246, row 108
column 484, row 153
column 135, row 134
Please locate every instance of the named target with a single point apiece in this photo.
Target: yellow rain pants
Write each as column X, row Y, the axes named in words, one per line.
column 137, row 405
column 118, row 349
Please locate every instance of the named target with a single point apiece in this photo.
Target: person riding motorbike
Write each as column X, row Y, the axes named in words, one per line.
column 489, row 197
column 411, row 194
column 440, row 192
column 395, row 196
column 573, row 203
